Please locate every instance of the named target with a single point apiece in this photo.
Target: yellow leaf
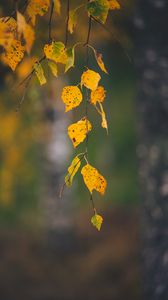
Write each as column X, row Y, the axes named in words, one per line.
column 78, row 131
column 57, row 6
column 8, row 27
column 13, row 54
column 90, row 79
column 53, row 67
column 37, row 7
column 100, row 62
column 71, row 96
column 72, row 170
column 98, row 95
column 39, row 73
column 93, row 179
column 72, row 20
column 56, row 52
column 26, row 30
column 114, row 4
column 103, row 115
column 97, row 221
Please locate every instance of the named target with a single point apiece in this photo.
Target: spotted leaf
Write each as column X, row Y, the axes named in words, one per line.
column 71, row 96
column 78, row 131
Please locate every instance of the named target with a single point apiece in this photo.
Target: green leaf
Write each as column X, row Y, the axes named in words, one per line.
column 98, row 9
column 70, row 58
column 97, row 221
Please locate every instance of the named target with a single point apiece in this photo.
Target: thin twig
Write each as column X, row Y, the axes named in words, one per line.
column 114, row 36
column 13, row 13
column 67, row 21
column 93, row 205
column 23, row 97
column 50, row 21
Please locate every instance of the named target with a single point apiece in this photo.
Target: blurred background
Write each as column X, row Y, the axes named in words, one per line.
column 49, row 249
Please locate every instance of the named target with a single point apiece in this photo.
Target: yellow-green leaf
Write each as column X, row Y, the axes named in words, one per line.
column 39, row 73
column 98, row 9
column 53, row 67
column 97, row 221
column 56, row 52
column 71, row 96
column 72, row 170
column 70, row 59
column 72, row 20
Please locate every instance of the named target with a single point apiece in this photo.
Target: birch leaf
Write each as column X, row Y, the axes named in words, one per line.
column 98, row 9
column 90, row 79
column 13, row 54
column 37, row 7
column 57, row 6
column 99, row 59
column 72, row 20
column 39, row 73
column 93, row 179
column 26, row 30
column 70, row 53
column 71, row 96
column 104, row 120
column 8, row 27
column 56, row 52
column 53, row 67
column 72, row 170
column 97, row 95
column 114, row 4
column 78, row 131
column 97, row 221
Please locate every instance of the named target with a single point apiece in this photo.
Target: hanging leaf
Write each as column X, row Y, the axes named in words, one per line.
column 72, row 170
column 39, row 73
column 56, row 52
column 26, row 31
column 37, row 7
column 78, row 131
column 97, row 221
column 8, row 27
column 100, row 62
column 97, row 95
column 57, row 6
column 98, row 9
column 90, row 79
column 53, row 67
column 93, row 179
column 13, row 54
column 71, row 96
column 103, row 115
column 72, row 20
column 114, row 4
column 70, row 53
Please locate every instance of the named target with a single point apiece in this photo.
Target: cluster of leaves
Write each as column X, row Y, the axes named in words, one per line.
column 17, row 35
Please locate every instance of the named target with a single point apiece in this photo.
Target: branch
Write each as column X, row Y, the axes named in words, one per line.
column 67, row 21
column 13, row 13
column 50, row 21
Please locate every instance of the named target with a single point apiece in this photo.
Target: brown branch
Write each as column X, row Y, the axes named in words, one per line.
column 50, row 21
column 13, row 13
column 67, row 21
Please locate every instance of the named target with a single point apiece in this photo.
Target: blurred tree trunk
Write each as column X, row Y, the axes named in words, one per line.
column 151, row 44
